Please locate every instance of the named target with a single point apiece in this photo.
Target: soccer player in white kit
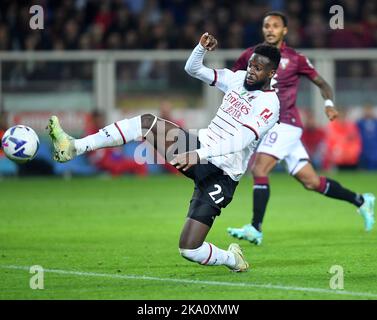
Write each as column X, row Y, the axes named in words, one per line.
column 216, row 160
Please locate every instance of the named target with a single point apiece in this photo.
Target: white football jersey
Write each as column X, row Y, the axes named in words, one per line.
column 257, row 110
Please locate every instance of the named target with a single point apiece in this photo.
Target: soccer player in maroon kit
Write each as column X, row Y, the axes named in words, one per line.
column 283, row 142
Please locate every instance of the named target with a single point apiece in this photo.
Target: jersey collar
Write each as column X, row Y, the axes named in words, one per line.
column 283, row 46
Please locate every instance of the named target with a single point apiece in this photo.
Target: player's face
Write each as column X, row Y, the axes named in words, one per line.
column 259, row 71
column 274, row 30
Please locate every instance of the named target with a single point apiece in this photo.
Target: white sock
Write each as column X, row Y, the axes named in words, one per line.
column 115, row 134
column 210, row 255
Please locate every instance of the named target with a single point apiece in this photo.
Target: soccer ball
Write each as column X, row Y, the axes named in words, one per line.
column 20, row 143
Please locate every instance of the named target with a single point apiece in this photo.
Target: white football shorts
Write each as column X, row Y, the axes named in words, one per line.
column 283, row 142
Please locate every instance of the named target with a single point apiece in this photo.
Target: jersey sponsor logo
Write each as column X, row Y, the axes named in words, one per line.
column 244, row 109
column 249, row 98
column 266, row 114
column 235, row 105
column 234, row 100
column 233, row 112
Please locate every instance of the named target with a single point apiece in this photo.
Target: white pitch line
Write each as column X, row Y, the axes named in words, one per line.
column 201, row 282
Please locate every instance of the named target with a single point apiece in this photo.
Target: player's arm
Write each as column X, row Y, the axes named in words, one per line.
column 306, row 68
column 240, row 140
column 327, row 94
column 195, row 67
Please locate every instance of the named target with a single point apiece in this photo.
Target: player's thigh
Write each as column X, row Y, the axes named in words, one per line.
column 168, row 139
column 213, row 191
column 297, row 159
column 205, row 206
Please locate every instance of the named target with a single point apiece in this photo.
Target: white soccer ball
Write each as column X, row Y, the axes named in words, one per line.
column 20, row 143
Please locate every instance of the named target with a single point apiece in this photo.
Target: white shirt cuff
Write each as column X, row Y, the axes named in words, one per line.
column 202, row 153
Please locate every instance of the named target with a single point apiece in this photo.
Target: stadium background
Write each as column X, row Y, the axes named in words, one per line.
column 127, row 57
column 124, row 57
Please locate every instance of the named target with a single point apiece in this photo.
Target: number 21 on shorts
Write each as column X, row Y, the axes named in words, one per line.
column 217, row 191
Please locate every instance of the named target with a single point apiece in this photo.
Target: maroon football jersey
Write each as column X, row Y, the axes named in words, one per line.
column 286, row 80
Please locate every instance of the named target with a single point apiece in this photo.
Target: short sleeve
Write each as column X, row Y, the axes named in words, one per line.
column 306, row 68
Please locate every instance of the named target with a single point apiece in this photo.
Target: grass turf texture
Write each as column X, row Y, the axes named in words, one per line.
column 131, row 226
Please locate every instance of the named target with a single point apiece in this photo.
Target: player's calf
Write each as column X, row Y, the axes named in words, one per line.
column 312, row 184
column 364, row 202
column 115, row 134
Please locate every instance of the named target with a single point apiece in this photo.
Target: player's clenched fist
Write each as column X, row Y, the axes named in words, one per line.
column 208, row 41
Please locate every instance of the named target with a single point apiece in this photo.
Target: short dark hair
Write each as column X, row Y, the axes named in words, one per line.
column 271, row 52
column 277, row 14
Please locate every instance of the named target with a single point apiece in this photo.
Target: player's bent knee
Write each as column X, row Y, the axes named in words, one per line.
column 147, row 120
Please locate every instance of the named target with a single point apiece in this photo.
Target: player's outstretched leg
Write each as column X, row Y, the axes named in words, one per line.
column 193, row 248
column 333, row 189
column 146, row 126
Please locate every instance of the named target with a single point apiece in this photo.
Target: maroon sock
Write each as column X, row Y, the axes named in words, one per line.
column 333, row 189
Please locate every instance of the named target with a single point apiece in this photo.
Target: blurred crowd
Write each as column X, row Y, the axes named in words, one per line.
column 177, row 24
column 171, row 24
column 343, row 144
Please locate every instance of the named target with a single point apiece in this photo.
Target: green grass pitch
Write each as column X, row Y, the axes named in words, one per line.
column 102, row 238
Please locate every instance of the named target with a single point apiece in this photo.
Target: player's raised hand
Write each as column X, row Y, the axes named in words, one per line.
column 208, row 41
column 331, row 113
column 185, row 160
